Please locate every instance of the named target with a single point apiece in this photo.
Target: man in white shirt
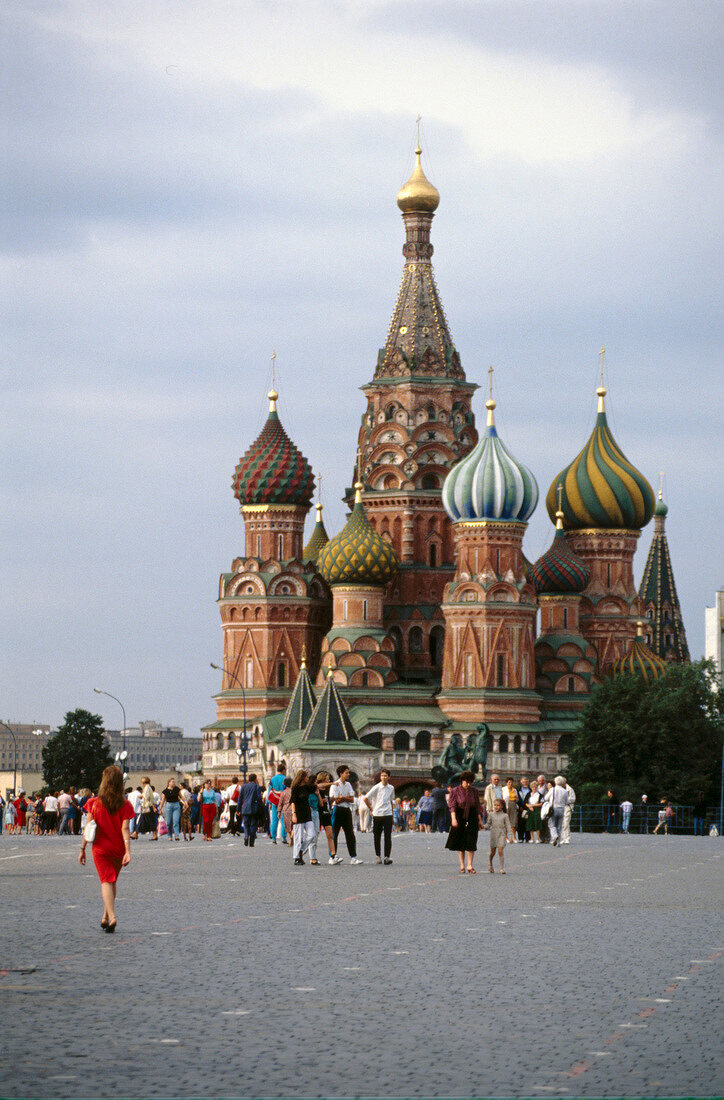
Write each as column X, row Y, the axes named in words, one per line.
column 341, row 797
column 380, row 802
column 567, row 813
column 231, row 795
column 134, row 797
column 493, row 791
column 558, row 797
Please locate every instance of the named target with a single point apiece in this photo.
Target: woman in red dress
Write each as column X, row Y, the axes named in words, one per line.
column 111, row 812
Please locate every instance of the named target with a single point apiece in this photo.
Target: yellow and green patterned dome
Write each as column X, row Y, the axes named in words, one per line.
column 358, row 555
column 639, row 660
column 600, row 488
column 319, row 538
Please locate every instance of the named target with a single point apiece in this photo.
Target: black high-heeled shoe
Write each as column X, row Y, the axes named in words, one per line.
column 104, row 924
column 111, row 926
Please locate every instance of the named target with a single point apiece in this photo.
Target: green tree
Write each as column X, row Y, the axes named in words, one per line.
column 663, row 738
column 78, row 753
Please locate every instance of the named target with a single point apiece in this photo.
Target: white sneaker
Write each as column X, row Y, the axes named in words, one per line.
column 335, row 859
column 355, row 860
column 379, row 859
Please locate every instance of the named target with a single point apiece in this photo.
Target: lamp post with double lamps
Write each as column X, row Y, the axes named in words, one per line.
column 15, row 760
column 121, row 756
column 243, row 751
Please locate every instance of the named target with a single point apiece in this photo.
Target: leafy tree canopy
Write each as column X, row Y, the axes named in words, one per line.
column 662, row 738
column 78, row 753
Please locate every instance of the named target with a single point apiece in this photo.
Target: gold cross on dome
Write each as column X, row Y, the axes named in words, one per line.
column 490, row 372
column 601, row 354
column 559, row 491
column 418, row 120
column 274, row 359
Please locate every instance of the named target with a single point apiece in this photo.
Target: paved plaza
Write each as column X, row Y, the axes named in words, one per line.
column 593, row 969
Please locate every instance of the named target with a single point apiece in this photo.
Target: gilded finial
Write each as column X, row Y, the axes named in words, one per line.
column 304, row 656
column 661, row 484
column 358, row 485
column 418, row 120
column 601, row 391
column 490, row 404
column 329, row 673
column 318, row 505
column 640, row 629
column 273, row 395
column 559, row 513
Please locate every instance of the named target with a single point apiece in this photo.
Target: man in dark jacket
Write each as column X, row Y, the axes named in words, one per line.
column 249, row 806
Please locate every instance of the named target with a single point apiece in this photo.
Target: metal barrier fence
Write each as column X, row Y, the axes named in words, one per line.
column 598, row 817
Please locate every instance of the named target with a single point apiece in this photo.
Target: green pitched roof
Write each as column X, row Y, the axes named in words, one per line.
column 330, row 720
column 301, row 705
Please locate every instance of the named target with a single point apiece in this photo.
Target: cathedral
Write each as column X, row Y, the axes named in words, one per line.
column 422, row 618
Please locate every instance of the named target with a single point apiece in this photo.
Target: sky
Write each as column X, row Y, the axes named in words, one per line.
column 190, row 187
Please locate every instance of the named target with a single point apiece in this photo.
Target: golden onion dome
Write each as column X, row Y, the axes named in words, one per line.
column 358, row 555
column 639, row 660
column 418, row 194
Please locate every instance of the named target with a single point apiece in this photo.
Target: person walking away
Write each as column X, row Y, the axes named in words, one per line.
column 341, row 795
column 499, row 825
column 301, row 815
column 171, row 803
column 285, row 808
column 567, row 814
column 510, row 795
column 208, row 809
column 699, row 813
column 467, row 819
column 610, row 804
column 50, row 813
column 438, row 795
column 65, row 807
column 558, row 796
column 380, row 800
column 364, row 815
column 644, row 814
column 186, row 801
column 249, row 805
column 21, row 809
column 9, row 817
column 276, row 786
column 626, row 808
column 112, row 843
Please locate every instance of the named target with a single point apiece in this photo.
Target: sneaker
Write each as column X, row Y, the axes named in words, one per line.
column 555, row 841
column 299, row 862
column 379, row 859
column 335, row 859
column 388, row 861
column 355, row 860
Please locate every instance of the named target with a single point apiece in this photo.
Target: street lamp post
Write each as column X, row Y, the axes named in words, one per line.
column 122, row 755
column 15, row 757
column 244, row 746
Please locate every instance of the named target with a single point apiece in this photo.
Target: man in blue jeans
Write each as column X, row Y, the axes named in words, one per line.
column 249, row 806
column 276, row 784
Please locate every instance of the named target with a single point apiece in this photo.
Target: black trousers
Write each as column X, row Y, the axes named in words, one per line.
column 233, row 825
column 343, row 821
column 382, row 825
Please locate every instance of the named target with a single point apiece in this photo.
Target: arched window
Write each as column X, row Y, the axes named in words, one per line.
column 365, row 679
column 422, row 741
column 281, row 675
column 571, row 683
column 437, row 645
column 433, row 554
column 536, row 744
column 565, row 617
column 396, row 635
column 516, row 744
column 415, row 639
column 501, row 670
column 390, row 412
column 401, row 741
column 280, row 546
column 430, row 410
column 504, row 742
column 429, row 481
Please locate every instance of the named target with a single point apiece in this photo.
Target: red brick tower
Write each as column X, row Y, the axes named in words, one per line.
column 417, row 425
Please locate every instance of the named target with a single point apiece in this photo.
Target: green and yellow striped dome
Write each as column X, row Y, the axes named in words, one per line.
column 601, row 488
column 358, row 555
column 639, row 660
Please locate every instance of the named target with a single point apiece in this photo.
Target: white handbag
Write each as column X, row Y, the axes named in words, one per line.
column 89, row 831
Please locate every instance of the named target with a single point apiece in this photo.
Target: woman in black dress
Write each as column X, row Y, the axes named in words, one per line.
column 467, row 818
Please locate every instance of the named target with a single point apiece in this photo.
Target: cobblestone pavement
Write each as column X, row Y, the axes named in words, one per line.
column 593, row 969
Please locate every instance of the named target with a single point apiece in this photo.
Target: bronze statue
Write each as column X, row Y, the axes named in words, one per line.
column 457, row 758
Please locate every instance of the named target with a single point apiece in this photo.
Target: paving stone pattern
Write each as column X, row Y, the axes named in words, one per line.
column 588, row 970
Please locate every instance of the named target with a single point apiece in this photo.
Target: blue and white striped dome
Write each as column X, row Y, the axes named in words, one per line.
column 489, row 483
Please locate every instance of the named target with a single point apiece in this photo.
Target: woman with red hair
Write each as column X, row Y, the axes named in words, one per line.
column 112, row 813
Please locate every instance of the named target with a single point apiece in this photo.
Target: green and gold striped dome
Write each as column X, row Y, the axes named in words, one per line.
column 358, row 555
column 601, row 488
column 639, row 660
column 318, row 540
